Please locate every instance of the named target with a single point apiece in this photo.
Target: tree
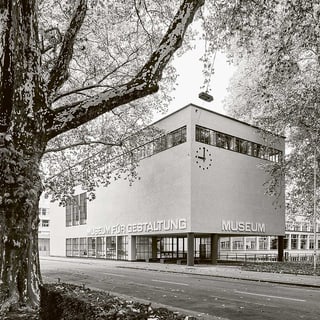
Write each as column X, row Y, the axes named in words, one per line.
column 277, row 86
column 56, row 75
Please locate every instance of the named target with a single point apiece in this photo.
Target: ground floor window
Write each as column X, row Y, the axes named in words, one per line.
column 122, row 249
column 69, row 247
column 44, row 246
column 303, row 241
column 83, row 247
column 202, row 248
column 91, row 247
column 144, row 247
column 75, row 247
column 294, row 241
column 111, row 253
column 101, row 247
column 273, row 243
column 147, row 247
column 172, row 247
column 251, row 243
column 98, row 247
column 263, row 243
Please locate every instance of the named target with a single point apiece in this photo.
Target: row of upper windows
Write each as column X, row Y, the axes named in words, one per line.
column 162, row 143
column 76, row 210
column 226, row 141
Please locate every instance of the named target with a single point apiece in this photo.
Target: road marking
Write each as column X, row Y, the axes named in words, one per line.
column 267, row 296
column 178, row 283
column 114, row 274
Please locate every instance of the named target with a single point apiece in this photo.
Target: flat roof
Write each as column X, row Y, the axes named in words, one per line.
column 218, row 114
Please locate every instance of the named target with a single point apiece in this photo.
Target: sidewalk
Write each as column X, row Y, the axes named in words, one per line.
column 223, row 271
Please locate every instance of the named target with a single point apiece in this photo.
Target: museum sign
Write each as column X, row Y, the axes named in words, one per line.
column 140, row 227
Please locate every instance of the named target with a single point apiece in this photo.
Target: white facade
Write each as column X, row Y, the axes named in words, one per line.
column 207, row 184
column 44, row 227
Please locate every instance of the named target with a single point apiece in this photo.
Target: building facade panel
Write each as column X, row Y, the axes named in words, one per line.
column 191, row 188
column 232, row 182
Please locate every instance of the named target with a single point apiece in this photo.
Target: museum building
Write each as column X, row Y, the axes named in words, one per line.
column 202, row 179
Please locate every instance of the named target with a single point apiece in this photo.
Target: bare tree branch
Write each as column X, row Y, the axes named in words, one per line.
column 59, row 72
column 82, row 143
column 143, row 84
column 79, row 90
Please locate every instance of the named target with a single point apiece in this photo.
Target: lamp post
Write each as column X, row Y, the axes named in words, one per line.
column 315, row 211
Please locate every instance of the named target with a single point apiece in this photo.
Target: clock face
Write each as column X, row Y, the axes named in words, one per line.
column 203, row 158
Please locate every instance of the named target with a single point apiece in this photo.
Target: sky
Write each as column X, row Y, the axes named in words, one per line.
column 191, row 80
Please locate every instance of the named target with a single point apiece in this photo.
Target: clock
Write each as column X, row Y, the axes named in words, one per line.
column 203, row 158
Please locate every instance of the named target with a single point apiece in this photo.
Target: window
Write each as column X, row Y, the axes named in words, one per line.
column 243, row 146
column 68, row 216
column 91, row 247
column 238, row 244
column 45, row 223
column 263, row 243
column 101, row 247
column 223, row 141
column 122, row 248
column 251, row 243
column 144, row 247
column 83, row 247
column 225, row 244
column 303, row 241
column 111, row 248
column 44, row 245
column 311, row 242
column 228, row 142
column 286, row 242
column 179, row 136
column 76, row 210
column 160, row 144
column 68, row 248
column 75, row 247
column 43, row 211
column 202, row 248
column 274, row 242
column 83, row 208
column 294, row 241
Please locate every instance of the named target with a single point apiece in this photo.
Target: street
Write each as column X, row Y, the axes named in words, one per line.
column 223, row 297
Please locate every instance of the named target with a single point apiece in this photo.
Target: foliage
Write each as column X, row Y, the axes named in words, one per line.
column 66, row 301
column 304, row 268
column 106, row 53
column 277, row 84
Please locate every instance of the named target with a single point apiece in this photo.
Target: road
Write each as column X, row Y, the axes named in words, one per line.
column 226, row 298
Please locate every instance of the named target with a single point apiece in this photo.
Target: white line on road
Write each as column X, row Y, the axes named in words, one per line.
column 114, row 274
column 267, row 296
column 178, row 283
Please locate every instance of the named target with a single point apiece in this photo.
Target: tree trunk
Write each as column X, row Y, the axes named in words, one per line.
column 22, row 143
column 19, row 268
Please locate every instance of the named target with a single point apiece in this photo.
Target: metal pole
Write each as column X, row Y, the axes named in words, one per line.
column 315, row 211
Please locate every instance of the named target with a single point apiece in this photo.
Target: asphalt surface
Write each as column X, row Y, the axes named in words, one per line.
column 205, row 291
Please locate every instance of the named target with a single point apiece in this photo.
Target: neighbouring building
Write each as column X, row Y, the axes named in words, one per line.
column 298, row 244
column 44, row 227
column 200, row 181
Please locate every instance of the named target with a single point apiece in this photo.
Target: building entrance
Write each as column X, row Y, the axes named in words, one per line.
column 172, row 248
